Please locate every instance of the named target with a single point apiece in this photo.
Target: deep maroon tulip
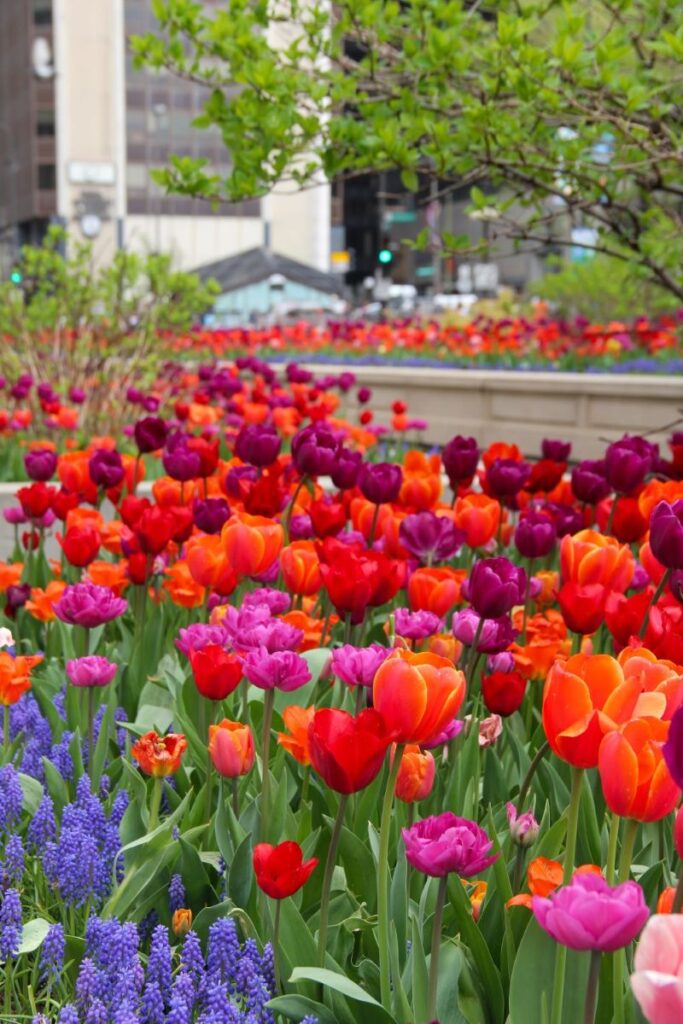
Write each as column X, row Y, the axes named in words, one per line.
column 314, row 450
column 297, row 374
column 17, row 597
column 556, row 451
column 210, row 515
column 589, row 483
column 40, row 463
column 106, row 468
column 495, row 586
column 429, row 537
column 150, row 434
column 566, row 518
column 506, row 477
column 535, row 535
column 380, row 482
column 258, row 445
column 181, row 463
column 666, row 533
column 364, row 395
column 345, row 381
column 345, row 470
column 460, row 458
column 627, row 463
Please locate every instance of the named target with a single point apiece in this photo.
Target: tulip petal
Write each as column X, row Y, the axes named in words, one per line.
column 618, row 767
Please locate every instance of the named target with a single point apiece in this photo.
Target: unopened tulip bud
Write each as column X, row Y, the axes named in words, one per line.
column 524, row 828
column 182, row 922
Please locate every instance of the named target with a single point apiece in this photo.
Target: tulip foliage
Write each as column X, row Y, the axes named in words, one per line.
column 319, row 727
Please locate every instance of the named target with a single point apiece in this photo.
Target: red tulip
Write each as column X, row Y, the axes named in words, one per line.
column 216, row 673
column 503, row 692
column 81, row 544
column 280, row 870
column 347, row 752
column 583, row 606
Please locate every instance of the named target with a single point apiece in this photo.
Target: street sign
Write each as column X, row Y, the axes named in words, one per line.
column 400, row 216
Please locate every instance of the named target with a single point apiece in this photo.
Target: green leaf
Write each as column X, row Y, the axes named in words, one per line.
column 32, row 935
column 241, row 874
column 473, row 939
column 339, row 983
column 419, row 972
column 296, row 1007
column 32, row 792
column 532, row 979
column 410, row 180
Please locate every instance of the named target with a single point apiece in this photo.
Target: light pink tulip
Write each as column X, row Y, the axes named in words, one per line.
column 657, row 981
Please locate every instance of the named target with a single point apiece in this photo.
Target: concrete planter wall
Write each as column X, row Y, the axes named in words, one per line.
column 491, row 405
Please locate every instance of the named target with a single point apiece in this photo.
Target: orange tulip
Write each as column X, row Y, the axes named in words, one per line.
column 10, row 575
column 446, row 646
column 41, row 603
column 297, row 720
column 82, row 516
column 435, row 590
column 363, row 514
column 300, row 568
column 312, row 628
column 585, row 698
column 546, row 641
column 417, row 695
column 421, row 485
column 252, row 543
column 636, row 782
column 231, row 746
column 591, row 557
column 478, row 516
column 665, row 902
column 15, row 676
column 545, row 876
column 477, row 895
column 113, row 575
column 501, row 450
column 208, row 565
column 415, row 774
column 182, row 588
column 663, row 680
column 113, row 533
column 658, row 490
column 159, row 755
column 74, row 475
column 182, row 921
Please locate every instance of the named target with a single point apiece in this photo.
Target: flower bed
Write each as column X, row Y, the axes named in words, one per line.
column 385, row 750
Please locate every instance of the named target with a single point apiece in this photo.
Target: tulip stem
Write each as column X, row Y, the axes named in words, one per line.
column 655, row 597
column 436, row 947
column 570, row 853
column 527, row 589
column 678, row 896
column 373, row 526
column 630, row 833
column 91, row 746
column 531, row 771
column 612, row 848
column 154, row 804
column 472, row 660
column 327, row 878
column 5, row 729
column 592, row 987
column 265, row 752
column 235, row 799
column 290, row 508
column 612, row 510
column 383, row 880
column 276, row 945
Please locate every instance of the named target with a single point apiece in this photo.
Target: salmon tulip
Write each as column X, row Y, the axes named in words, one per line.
column 300, row 568
column 231, row 746
column 478, row 516
column 591, row 557
column 417, row 695
column 252, row 543
column 636, row 782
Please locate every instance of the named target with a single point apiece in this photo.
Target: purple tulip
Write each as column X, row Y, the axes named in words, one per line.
column 16, row 597
column 535, row 535
column 627, row 463
column 314, row 450
column 281, row 670
column 134, row 396
column 589, row 483
column 380, row 482
column 495, row 586
column 666, row 533
column 417, row 625
column 211, row 514
column 524, row 828
column 556, row 451
column 90, row 671
column 301, row 527
column 446, row 843
column 235, row 475
column 566, row 518
column 150, row 434
column 258, row 445
column 106, row 468
column 364, row 395
column 40, row 463
column 45, row 392
column 496, row 634
column 297, row 374
column 507, row 477
column 181, row 463
column 357, row 666
column 345, row 381
column 503, row 662
column 77, row 396
column 277, row 601
column 86, row 604
column 589, row 913
column 429, row 537
column 673, row 748
column 14, row 515
column 150, row 403
column 199, row 635
column 460, row 459
column 344, row 473
column 448, row 733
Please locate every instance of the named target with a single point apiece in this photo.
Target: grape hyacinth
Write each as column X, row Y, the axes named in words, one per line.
column 10, row 924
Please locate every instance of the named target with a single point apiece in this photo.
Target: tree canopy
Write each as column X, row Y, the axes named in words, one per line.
column 551, row 112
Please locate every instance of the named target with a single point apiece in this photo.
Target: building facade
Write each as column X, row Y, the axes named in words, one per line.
column 81, row 129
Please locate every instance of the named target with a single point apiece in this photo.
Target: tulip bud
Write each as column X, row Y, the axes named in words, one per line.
column 182, row 922
column 678, row 833
column 524, row 828
column 415, row 774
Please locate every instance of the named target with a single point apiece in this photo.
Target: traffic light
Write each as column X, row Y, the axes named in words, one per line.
column 385, row 256
column 16, row 277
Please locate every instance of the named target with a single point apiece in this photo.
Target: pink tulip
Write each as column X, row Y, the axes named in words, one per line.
column 657, row 981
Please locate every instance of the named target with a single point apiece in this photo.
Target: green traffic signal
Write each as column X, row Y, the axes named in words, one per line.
column 16, row 277
column 385, row 256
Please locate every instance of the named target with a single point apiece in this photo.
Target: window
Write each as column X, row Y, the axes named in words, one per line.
column 137, row 176
column 47, row 178
column 42, row 12
column 45, row 122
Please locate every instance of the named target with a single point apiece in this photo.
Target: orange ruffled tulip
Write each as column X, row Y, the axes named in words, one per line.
column 182, row 588
column 41, row 603
column 545, row 876
column 300, row 568
column 584, row 699
column 312, row 628
column 15, row 676
column 415, row 774
column 297, row 720
column 113, row 575
column 252, row 543
column 591, row 557
column 10, row 575
column 546, row 641
column 417, row 695
column 435, row 590
column 478, row 516
column 636, row 782
column 159, row 755
column 231, row 746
